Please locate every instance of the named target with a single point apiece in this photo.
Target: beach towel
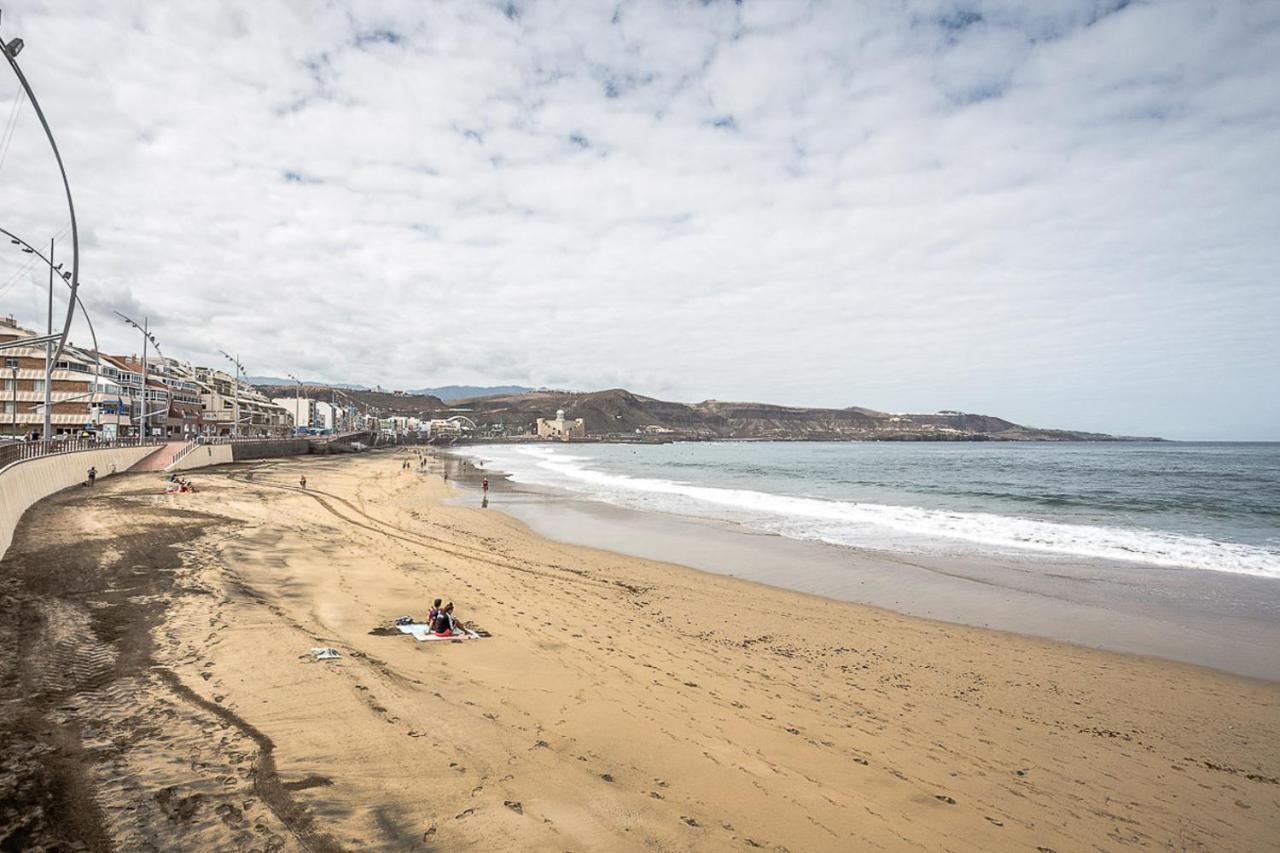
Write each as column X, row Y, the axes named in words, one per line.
column 326, row 654
column 422, row 633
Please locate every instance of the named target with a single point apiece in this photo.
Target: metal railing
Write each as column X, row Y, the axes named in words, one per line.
column 244, row 439
column 21, row 450
column 190, row 446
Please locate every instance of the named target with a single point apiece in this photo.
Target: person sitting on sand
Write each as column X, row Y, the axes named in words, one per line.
column 444, row 624
column 431, row 614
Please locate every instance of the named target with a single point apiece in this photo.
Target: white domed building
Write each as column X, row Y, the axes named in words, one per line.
column 560, row 428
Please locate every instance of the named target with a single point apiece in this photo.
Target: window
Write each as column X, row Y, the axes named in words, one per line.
column 8, row 385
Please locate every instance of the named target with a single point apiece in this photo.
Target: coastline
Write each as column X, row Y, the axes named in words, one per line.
column 620, row 703
column 1220, row 620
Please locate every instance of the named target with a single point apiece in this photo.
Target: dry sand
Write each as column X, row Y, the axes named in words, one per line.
column 159, row 694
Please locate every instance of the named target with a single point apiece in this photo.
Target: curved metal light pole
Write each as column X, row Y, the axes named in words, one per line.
column 75, row 300
column 297, row 405
column 235, row 415
column 145, row 418
column 11, row 51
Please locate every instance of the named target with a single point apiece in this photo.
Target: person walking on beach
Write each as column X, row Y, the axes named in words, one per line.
column 302, row 481
column 93, row 474
column 484, row 484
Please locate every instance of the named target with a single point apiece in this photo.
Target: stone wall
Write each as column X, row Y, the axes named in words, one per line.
column 266, row 449
column 23, row 483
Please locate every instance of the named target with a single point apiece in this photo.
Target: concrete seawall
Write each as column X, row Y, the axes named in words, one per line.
column 220, row 454
column 267, row 449
column 203, row 457
column 23, row 483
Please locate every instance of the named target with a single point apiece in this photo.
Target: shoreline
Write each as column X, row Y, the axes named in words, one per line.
column 1220, row 620
column 619, row 704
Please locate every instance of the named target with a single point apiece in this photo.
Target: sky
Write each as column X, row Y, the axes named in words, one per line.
column 1061, row 212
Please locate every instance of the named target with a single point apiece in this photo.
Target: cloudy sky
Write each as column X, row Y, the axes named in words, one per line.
column 1064, row 212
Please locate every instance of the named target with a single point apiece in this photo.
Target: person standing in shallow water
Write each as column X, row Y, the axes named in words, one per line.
column 93, row 474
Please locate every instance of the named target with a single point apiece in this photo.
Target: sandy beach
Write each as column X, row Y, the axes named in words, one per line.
column 160, row 694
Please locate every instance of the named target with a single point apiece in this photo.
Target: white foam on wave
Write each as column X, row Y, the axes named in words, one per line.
column 880, row 526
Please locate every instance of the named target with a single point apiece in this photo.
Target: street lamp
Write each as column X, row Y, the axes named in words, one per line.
column 12, row 364
column 145, row 418
column 235, row 426
column 11, row 51
column 297, row 405
column 27, row 248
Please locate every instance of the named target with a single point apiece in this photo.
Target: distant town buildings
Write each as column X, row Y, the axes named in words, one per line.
column 322, row 415
column 103, row 395
column 561, row 429
column 302, row 410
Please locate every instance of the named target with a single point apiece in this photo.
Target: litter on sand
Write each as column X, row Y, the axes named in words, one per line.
column 326, row 654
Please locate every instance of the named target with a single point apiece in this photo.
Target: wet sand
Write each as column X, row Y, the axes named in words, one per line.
column 159, row 687
column 1215, row 619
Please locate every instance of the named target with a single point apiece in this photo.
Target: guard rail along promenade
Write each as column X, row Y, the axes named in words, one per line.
column 33, row 470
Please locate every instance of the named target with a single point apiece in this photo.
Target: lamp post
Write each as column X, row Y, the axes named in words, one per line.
column 11, row 51
column 27, row 248
column 145, row 418
column 12, row 364
column 235, row 426
column 46, row 431
column 297, row 405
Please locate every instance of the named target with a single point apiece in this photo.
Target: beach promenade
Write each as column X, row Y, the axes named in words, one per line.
column 160, row 693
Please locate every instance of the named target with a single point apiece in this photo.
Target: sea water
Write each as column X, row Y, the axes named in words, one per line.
column 1196, row 506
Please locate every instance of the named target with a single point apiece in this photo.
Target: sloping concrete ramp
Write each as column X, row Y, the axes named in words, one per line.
column 160, row 459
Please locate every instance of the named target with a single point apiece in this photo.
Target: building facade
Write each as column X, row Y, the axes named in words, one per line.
column 85, row 396
column 561, row 429
column 103, row 395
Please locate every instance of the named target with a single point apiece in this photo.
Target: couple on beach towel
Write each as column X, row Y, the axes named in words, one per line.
column 442, row 621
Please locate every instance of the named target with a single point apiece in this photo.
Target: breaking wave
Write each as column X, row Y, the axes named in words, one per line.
column 880, row 526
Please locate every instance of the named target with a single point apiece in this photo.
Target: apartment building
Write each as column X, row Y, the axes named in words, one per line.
column 103, row 395
column 219, row 394
column 86, row 397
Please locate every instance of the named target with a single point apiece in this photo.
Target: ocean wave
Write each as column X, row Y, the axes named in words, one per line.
column 882, row 526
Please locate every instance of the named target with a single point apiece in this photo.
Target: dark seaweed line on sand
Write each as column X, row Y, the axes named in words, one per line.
column 266, row 781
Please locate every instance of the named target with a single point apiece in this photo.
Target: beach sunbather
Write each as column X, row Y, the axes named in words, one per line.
column 431, row 614
column 444, row 624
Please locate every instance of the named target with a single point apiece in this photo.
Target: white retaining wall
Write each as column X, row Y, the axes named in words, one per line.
column 23, row 483
column 203, row 456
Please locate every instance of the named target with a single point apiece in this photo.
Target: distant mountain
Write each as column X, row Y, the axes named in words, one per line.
column 276, row 380
column 449, row 393
column 619, row 413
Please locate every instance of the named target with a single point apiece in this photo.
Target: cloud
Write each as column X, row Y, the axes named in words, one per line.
column 1060, row 211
